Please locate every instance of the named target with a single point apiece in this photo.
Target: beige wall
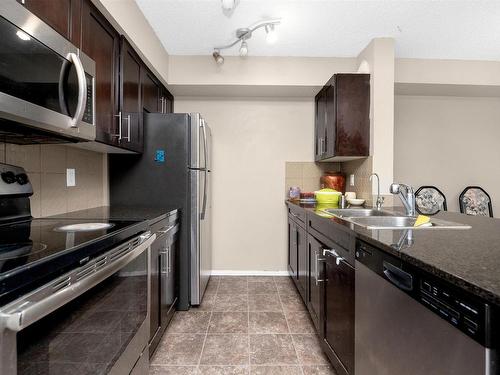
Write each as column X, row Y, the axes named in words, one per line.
column 252, row 140
column 46, row 166
column 448, row 142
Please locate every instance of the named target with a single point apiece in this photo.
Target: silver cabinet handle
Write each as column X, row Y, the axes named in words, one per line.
column 332, row 252
column 165, row 261
column 82, row 89
column 317, row 259
column 128, row 128
column 119, row 135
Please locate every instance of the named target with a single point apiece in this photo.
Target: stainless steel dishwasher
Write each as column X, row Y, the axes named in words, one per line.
column 410, row 322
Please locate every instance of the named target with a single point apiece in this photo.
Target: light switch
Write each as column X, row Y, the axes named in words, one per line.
column 70, row 177
column 351, row 180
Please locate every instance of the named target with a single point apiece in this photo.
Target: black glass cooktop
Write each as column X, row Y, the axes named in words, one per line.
column 33, row 251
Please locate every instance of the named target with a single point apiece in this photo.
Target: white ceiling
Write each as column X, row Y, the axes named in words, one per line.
column 454, row 29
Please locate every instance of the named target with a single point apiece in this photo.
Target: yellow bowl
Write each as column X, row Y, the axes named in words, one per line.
column 327, row 196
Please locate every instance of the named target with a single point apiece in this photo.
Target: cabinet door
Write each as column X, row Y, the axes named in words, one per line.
column 330, row 120
column 338, row 313
column 302, row 261
column 352, row 93
column 168, row 101
column 292, row 249
column 168, row 298
column 151, row 93
column 130, row 98
column 154, row 302
column 319, row 125
column 102, row 43
column 62, row 15
column 314, row 278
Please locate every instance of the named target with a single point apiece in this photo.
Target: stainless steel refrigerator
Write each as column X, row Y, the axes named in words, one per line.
column 173, row 172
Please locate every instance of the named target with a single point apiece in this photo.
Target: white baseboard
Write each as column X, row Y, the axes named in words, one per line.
column 249, row 273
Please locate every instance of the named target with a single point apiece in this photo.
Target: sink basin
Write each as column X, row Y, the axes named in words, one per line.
column 402, row 222
column 356, row 212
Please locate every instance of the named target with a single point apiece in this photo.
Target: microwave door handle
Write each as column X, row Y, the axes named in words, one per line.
column 82, row 89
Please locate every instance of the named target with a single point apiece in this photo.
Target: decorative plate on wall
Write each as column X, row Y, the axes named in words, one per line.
column 474, row 200
column 430, row 200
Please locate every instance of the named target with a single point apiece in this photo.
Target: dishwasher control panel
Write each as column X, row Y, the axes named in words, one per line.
column 457, row 307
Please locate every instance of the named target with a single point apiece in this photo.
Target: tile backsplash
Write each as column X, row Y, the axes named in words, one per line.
column 306, row 175
column 46, row 167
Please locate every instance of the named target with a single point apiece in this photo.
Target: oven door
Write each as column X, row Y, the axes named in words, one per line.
column 92, row 320
column 46, row 82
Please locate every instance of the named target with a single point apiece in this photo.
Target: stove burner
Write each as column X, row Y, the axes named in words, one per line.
column 20, row 249
column 83, row 227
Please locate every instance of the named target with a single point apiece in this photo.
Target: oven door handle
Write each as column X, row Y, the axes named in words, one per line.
column 82, row 89
column 29, row 309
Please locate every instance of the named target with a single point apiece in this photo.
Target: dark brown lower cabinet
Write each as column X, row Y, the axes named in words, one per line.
column 315, row 278
column 297, row 255
column 337, row 305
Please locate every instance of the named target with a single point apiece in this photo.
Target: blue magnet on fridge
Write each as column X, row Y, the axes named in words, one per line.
column 160, row 156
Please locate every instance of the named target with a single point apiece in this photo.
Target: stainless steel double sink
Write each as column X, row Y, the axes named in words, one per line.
column 380, row 219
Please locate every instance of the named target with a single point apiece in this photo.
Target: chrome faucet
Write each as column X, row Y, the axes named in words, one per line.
column 380, row 200
column 408, row 197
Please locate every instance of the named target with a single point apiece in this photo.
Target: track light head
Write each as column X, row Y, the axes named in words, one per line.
column 218, row 58
column 244, row 49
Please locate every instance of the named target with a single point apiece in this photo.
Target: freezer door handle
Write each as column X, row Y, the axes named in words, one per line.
column 204, row 205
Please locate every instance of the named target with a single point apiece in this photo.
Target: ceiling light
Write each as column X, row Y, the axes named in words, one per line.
column 244, row 49
column 271, row 36
column 243, row 34
column 22, row 35
column 228, row 4
column 218, row 58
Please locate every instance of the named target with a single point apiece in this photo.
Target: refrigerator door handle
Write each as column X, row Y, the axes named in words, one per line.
column 204, row 205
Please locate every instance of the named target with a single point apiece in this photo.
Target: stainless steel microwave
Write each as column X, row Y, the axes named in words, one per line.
column 47, row 89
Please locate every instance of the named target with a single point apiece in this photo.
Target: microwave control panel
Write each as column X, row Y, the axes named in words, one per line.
column 88, row 115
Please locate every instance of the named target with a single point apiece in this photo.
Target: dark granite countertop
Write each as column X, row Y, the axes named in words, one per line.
column 151, row 214
column 468, row 258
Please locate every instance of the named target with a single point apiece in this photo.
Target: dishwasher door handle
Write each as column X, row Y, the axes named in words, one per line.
column 403, row 280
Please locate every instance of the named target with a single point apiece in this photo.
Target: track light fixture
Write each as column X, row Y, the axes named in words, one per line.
column 218, row 58
column 243, row 34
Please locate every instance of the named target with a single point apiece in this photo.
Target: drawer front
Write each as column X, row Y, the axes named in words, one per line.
column 298, row 214
column 332, row 231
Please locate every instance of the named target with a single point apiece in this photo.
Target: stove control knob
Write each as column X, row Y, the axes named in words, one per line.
column 8, row 177
column 22, row 178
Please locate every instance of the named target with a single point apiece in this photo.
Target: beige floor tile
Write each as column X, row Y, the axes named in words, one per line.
column 224, row 370
column 267, row 322
column 292, row 302
column 190, row 322
column 267, row 279
column 309, row 350
column 231, row 302
column 173, row 370
column 299, row 322
column 272, row 350
column 179, row 349
column 207, row 303
column 264, row 302
column 275, row 370
column 318, row 370
column 225, row 350
column 262, row 287
column 232, row 287
column 228, row 322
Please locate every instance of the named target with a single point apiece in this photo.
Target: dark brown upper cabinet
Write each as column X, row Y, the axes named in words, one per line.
column 151, row 93
column 130, row 131
column 62, row 15
column 101, row 43
column 342, row 122
column 155, row 97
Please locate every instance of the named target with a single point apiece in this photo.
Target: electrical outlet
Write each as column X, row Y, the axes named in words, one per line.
column 351, row 180
column 70, row 177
